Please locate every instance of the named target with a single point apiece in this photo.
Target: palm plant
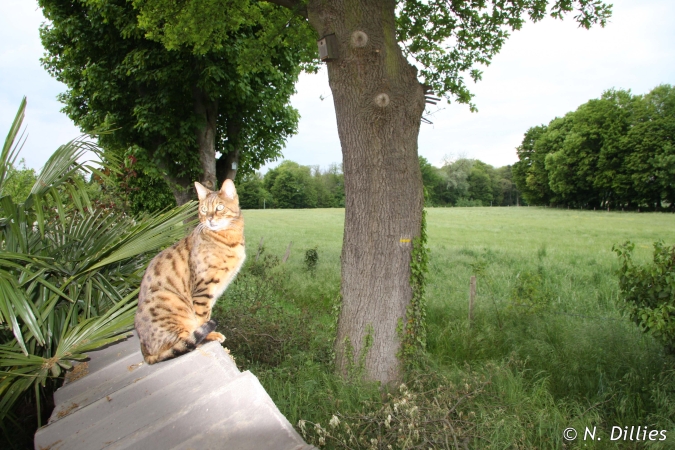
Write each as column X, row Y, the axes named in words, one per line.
column 68, row 273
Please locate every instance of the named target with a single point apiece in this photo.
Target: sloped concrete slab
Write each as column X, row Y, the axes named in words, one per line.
column 197, row 401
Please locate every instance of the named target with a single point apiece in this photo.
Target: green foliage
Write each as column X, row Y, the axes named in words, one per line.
column 467, row 182
column 529, row 294
column 432, row 181
column 68, row 273
column 311, row 259
column 120, row 80
column 414, row 334
column 260, row 327
column 18, row 181
column 252, row 193
column 612, row 152
column 450, row 39
column 649, row 291
column 290, row 186
column 356, row 363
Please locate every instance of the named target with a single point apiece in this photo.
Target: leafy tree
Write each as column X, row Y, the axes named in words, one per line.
column 330, row 186
column 616, row 151
column 586, row 170
column 433, row 182
column 173, row 110
column 457, row 179
column 480, row 183
column 18, row 181
column 651, row 164
column 291, row 186
column 252, row 193
column 508, row 191
column 529, row 172
column 379, row 101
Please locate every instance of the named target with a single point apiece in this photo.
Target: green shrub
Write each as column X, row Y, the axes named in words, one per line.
column 464, row 202
column 260, row 325
column 529, row 294
column 311, row 259
column 69, row 276
column 649, row 291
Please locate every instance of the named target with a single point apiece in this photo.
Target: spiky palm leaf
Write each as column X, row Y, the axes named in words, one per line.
column 69, row 275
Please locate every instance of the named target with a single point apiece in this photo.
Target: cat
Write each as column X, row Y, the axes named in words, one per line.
column 183, row 282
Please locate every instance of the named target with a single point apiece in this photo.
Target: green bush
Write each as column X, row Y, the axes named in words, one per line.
column 649, row 291
column 312, row 259
column 529, row 293
column 260, row 326
column 69, row 276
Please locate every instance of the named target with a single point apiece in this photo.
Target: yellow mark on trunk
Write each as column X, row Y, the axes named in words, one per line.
column 403, row 240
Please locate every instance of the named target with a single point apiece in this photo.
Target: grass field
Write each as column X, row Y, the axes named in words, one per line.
column 547, row 335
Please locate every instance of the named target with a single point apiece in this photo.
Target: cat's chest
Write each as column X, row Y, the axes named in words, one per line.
column 215, row 266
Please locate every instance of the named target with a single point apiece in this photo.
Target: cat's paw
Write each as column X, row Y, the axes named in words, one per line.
column 215, row 336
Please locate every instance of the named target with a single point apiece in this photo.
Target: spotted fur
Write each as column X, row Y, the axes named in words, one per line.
column 183, row 282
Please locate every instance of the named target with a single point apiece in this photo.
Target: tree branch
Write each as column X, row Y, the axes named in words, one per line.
column 297, row 6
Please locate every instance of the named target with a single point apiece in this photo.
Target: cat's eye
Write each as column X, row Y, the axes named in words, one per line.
column 204, row 209
column 220, row 208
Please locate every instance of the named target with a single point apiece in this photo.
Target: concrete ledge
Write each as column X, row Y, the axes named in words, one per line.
column 197, row 401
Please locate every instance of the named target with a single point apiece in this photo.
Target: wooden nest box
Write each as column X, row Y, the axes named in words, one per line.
column 328, row 48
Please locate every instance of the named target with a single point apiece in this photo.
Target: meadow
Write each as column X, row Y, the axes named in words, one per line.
column 549, row 347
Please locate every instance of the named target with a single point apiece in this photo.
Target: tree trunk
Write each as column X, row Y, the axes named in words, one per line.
column 206, row 137
column 228, row 163
column 378, row 103
column 181, row 189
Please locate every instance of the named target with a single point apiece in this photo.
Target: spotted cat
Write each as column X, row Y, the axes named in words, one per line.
column 183, row 282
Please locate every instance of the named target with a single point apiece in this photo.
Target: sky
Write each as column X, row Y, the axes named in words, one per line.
column 543, row 71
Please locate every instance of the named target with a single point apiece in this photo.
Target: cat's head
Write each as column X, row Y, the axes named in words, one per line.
column 217, row 209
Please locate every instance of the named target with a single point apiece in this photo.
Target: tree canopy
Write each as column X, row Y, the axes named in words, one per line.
column 468, row 182
column 158, row 103
column 613, row 152
column 445, row 40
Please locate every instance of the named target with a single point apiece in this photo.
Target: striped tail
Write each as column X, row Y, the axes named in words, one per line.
column 185, row 345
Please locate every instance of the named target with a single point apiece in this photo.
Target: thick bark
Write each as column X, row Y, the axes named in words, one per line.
column 228, row 163
column 207, row 109
column 379, row 103
column 181, row 188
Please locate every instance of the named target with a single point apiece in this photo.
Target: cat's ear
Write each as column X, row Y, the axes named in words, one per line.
column 228, row 189
column 202, row 192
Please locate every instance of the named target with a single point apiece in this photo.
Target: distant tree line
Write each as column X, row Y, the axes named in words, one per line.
column 464, row 182
column 468, row 182
column 614, row 152
column 290, row 185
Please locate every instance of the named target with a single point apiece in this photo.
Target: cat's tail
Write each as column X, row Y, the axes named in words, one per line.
column 185, row 345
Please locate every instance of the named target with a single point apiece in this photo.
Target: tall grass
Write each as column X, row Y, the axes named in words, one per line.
column 548, row 333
